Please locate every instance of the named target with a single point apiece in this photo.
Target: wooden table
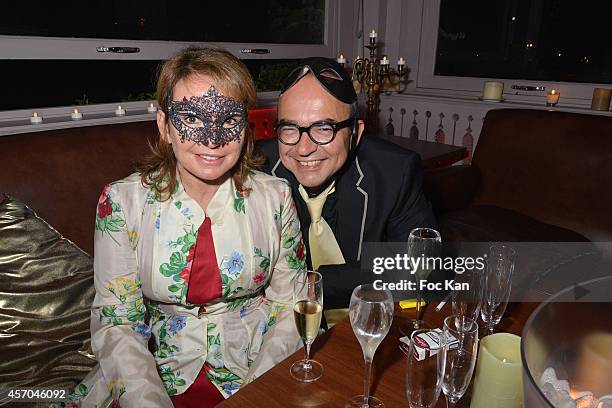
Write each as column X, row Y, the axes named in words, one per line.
column 342, row 359
column 433, row 155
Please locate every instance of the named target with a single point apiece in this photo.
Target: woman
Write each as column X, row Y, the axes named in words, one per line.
column 197, row 251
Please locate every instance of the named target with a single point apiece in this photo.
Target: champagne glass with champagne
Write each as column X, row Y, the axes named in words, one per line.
column 371, row 315
column 307, row 309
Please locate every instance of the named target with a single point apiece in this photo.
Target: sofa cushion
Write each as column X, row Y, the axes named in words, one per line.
column 46, row 289
column 482, row 223
column 60, row 173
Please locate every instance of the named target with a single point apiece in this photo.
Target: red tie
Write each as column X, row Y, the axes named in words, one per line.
column 205, row 278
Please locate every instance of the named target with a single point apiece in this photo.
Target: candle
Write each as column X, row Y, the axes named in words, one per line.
column 151, row 108
column 76, row 115
column 119, row 111
column 401, row 61
column 35, row 119
column 373, row 34
column 594, row 363
column 384, row 60
column 492, row 91
column 601, row 99
column 341, row 59
column 498, row 379
column 552, row 98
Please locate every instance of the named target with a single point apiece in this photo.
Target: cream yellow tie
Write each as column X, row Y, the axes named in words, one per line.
column 324, row 249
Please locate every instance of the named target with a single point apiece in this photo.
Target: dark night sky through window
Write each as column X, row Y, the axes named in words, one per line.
column 552, row 40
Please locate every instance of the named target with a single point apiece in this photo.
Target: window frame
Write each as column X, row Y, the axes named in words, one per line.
column 572, row 93
column 63, row 48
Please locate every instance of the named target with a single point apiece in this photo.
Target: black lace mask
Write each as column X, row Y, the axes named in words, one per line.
column 210, row 119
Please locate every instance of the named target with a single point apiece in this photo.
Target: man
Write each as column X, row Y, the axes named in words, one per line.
column 369, row 189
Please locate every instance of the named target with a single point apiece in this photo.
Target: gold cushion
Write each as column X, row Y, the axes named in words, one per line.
column 46, row 290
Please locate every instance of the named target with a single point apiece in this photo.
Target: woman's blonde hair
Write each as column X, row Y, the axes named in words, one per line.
column 158, row 170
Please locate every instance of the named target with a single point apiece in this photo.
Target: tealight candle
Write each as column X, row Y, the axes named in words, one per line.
column 341, row 59
column 492, row 91
column 76, row 115
column 35, row 119
column 552, row 98
column 151, row 108
column 119, row 111
column 384, row 60
column 373, row 34
column 401, row 61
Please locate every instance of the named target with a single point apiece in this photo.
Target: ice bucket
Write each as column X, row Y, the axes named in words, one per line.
column 572, row 336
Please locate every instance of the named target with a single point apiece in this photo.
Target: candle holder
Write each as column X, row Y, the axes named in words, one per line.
column 552, row 98
column 35, row 119
column 601, row 99
column 119, row 111
column 76, row 115
column 371, row 75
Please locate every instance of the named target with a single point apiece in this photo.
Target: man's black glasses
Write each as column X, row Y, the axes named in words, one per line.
column 321, row 133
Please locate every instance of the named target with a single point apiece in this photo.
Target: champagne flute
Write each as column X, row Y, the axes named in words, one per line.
column 498, row 283
column 424, row 377
column 466, row 303
column 460, row 360
column 422, row 243
column 307, row 310
column 371, row 315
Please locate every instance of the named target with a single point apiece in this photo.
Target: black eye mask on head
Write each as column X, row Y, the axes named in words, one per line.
column 210, row 119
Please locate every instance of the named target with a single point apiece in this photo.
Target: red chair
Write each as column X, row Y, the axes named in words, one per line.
column 261, row 122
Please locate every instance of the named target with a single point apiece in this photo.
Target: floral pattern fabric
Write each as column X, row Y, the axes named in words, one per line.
column 144, row 251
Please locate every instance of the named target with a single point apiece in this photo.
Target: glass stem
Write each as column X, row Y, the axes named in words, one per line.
column 307, row 365
column 418, row 305
column 450, row 403
column 366, row 383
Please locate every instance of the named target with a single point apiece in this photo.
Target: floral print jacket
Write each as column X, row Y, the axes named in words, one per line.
column 143, row 254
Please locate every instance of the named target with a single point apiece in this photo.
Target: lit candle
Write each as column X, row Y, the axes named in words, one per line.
column 35, row 119
column 76, row 115
column 373, row 34
column 151, row 108
column 119, row 111
column 401, row 61
column 384, row 60
column 492, row 91
column 341, row 59
column 552, row 98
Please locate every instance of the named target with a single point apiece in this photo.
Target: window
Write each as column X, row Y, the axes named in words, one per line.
column 262, row 21
column 550, row 43
column 48, row 83
column 49, row 62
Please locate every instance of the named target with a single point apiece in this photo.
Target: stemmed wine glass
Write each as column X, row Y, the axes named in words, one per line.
column 466, row 303
column 422, row 243
column 498, row 283
column 424, row 377
column 460, row 360
column 371, row 315
column 307, row 310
